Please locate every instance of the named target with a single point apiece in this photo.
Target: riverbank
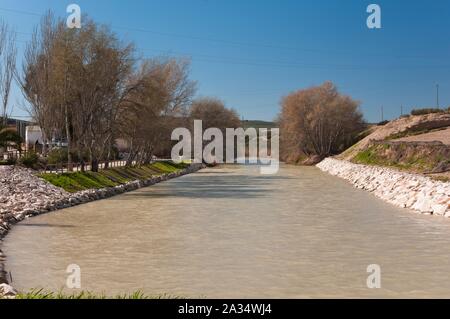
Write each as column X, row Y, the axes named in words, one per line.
column 406, row 190
column 23, row 194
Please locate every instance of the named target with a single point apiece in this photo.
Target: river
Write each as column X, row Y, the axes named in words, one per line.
column 229, row 232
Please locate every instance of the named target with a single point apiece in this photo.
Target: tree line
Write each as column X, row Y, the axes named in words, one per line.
column 8, row 58
column 89, row 88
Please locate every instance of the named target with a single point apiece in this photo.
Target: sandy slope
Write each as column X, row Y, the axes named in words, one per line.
column 419, row 122
column 441, row 136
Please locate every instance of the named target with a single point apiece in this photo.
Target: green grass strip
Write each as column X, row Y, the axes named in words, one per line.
column 42, row 294
column 78, row 181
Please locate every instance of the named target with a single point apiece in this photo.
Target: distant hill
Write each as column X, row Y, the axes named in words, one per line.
column 257, row 124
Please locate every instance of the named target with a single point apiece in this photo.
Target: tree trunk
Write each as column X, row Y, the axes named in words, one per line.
column 81, row 159
column 108, row 156
column 131, row 155
column 94, row 165
column 69, row 140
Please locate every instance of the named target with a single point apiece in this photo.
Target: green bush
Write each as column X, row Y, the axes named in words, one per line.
column 29, row 160
column 426, row 111
column 383, row 123
column 9, row 136
column 57, row 156
column 9, row 161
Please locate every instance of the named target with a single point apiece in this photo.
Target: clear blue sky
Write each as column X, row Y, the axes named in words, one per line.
column 250, row 53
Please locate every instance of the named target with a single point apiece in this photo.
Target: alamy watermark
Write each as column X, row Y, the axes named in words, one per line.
column 374, row 19
column 374, row 279
column 74, row 19
column 73, row 281
column 241, row 146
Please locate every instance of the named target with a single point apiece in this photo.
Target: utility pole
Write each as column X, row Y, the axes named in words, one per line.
column 382, row 114
column 437, row 96
column 401, row 110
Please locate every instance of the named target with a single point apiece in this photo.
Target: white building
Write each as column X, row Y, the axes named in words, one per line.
column 33, row 135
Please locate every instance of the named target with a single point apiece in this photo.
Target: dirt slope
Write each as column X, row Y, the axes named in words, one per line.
column 440, row 135
column 413, row 123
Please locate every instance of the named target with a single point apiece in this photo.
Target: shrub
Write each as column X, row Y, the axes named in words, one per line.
column 29, row 160
column 318, row 109
column 9, row 161
column 57, row 156
column 426, row 111
column 8, row 137
column 383, row 123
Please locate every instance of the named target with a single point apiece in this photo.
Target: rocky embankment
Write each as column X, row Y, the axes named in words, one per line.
column 23, row 194
column 416, row 192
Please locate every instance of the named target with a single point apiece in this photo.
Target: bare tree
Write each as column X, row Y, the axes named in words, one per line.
column 157, row 101
column 74, row 80
column 178, row 85
column 35, row 80
column 83, row 85
column 318, row 121
column 8, row 55
column 213, row 113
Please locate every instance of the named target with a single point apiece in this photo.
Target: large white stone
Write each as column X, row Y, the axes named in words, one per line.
column 413, row 191
column 439, row 209
column 7, row 290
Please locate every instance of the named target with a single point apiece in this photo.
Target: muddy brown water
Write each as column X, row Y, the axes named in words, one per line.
column 230, row 232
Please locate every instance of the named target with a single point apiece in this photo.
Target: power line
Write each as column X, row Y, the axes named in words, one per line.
column 22, row 12
column 235, row 60
column 437, row 96
column 225, row 60
column 234, row 43
column 272, row 63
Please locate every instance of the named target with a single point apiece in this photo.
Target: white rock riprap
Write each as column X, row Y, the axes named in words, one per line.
column 7, row 291
column 23, row 194
column 416, row 192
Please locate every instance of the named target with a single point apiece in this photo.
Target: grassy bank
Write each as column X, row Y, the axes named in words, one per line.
column 413, row 157
column 42, row 294
column 78, row 181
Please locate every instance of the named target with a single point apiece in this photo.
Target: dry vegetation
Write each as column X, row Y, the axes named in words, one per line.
column 318, row 122
column 405, row 126
column 87, row 88
column 213, row 113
